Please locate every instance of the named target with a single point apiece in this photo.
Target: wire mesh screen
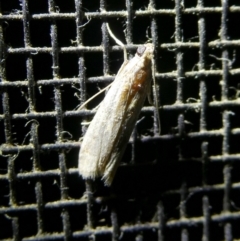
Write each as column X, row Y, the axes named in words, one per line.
column 180, row 185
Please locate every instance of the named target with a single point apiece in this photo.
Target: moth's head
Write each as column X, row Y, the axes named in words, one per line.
column 145, row 51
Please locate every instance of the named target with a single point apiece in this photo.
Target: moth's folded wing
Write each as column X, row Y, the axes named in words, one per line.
column 101, row 135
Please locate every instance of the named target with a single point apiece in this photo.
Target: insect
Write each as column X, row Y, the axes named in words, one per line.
column 107, row 136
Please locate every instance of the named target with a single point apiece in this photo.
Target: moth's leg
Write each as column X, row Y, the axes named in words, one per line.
column 90, row 99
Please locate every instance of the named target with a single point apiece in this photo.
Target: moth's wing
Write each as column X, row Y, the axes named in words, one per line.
column 101, row 134
column 130, row 115
column 122, row 68
column 132, row 99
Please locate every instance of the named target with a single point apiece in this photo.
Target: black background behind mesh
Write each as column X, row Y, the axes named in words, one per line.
column 181, row 185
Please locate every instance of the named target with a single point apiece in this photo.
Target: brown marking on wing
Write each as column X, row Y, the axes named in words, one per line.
column 137, row 84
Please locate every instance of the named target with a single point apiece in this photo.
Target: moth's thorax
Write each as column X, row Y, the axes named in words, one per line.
column 141, row 76
column 142, row 71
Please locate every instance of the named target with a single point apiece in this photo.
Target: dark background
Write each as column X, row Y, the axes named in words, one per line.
column 183, row 185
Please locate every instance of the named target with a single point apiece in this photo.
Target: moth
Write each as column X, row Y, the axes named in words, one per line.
column 108, row 133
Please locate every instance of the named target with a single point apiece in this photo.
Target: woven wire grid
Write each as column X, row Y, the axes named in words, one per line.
column 181, row 185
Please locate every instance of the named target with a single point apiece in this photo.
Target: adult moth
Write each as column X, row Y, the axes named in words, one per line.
column 107, row 136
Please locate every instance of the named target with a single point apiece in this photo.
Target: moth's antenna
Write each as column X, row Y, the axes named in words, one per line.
column 125, row 59
column 118, row 42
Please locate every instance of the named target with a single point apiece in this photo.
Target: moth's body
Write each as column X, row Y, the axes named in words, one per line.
column 107, row 136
